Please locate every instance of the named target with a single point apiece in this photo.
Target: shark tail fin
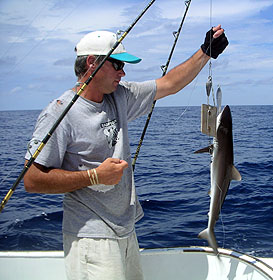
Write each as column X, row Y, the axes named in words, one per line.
column 210, row 237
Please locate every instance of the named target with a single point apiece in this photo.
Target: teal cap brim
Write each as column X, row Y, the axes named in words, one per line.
column 126, row 57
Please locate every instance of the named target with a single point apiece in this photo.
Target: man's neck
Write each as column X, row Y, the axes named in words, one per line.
column 90, row 92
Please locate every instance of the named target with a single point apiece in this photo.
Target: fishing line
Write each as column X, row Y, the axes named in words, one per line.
column 44, row 38
column 164, row 69
column 209, row 82
column 220, row 215
column 16, row 163
column 10, row 172
column 23, row 32
column 223, row 229
column 174, row 125
column 210, row 21
column 190, row 95
column 214, row 103
column 68, row 107
column 97, row 58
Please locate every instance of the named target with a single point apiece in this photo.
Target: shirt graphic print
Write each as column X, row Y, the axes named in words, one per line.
column 111, row 132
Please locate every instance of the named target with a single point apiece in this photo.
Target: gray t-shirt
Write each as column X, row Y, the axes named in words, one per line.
column 89, row 133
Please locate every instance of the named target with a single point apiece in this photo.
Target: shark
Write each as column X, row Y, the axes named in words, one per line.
column 222, row 172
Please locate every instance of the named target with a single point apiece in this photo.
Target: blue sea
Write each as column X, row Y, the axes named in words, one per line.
column 172, row 184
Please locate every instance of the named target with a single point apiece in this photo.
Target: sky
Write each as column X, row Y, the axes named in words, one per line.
column 37, row 40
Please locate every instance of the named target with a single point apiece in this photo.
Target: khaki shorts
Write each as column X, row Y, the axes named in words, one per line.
column 102, row 259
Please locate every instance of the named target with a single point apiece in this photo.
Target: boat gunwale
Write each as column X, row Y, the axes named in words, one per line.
column 258, row 263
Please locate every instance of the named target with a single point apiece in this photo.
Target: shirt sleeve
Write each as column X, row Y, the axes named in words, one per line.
column 140, row 97
column 53, row 152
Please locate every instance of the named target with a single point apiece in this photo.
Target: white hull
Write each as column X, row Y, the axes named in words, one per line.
column 171, row 263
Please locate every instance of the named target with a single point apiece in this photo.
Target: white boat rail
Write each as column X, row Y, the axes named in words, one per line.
column 191, row 263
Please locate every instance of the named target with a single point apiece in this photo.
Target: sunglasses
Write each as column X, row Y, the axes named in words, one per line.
column 117, row 64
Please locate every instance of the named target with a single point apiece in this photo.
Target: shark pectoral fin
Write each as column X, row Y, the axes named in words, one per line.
column 204, row 150
column 235, row 174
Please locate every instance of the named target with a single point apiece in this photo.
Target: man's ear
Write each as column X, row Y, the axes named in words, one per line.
column 90, row 61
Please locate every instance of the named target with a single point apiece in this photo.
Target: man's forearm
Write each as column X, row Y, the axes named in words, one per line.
column 40, row 179
column 181, row 75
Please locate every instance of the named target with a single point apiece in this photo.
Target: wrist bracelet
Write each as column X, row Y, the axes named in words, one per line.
column 95, row 176
column 89, row 175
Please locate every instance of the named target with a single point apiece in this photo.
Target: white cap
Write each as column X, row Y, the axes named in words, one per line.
column 100, row 43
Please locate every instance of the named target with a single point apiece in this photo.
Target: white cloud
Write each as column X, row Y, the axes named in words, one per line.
column 37, row 39
column 15, row 90
column 203, row 9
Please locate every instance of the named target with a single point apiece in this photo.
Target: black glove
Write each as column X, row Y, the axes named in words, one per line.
column 214, row 46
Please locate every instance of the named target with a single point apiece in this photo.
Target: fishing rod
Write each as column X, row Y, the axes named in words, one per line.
column 72, row 102
column 164, row 69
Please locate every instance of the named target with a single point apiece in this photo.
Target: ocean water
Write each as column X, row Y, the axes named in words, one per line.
column 172, row 184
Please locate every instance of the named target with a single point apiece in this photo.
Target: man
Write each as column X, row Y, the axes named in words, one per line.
column 88, row 156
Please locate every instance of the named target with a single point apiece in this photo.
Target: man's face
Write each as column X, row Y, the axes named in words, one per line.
column 109, row 77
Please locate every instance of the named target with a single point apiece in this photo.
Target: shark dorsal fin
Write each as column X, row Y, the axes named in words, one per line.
column 235, row 174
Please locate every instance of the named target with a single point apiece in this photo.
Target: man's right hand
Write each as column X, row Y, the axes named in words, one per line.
column 111, row 171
